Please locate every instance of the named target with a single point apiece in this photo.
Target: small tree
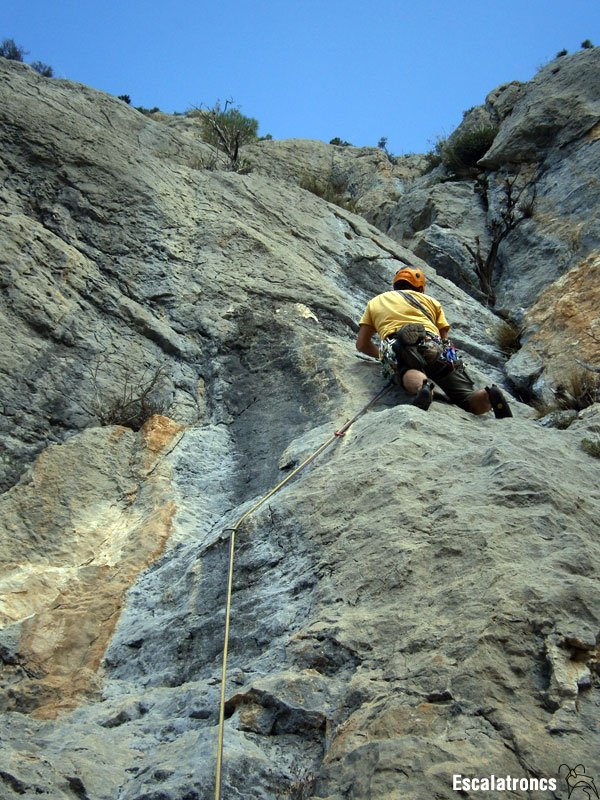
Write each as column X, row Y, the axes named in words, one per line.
column 516, row 205
column 587, row 44
column 228, row 129
column 9, row 49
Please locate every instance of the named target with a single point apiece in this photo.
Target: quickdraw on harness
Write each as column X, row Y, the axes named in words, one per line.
column 388, row 352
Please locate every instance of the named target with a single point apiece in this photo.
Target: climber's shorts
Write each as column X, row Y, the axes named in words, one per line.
column 452, row 378
column 456, row 383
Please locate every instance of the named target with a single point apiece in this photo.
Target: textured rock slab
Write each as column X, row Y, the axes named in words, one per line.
column 123, row 258
column 363, row 176
column 422, row 602
column 551, row 113
column 76, row 531
column 561, row 332
column 393, row 624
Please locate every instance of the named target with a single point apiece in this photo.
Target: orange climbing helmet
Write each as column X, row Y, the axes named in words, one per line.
column 414, row 276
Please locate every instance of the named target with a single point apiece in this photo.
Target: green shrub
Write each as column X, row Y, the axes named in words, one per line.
column 333, row 188
column 590, row 447
column 432, row 160
column 462, row 153
column 561, row 53
column 382, row 145
column 508, row 337
column 232, row 123
column 44, row 69
column 227, row 129
column 147, row 111
column 9, row 49
column 13, row 52
column 339, row 142
column 587, row 44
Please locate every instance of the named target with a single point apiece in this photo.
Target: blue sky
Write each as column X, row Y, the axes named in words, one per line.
column 312, row 69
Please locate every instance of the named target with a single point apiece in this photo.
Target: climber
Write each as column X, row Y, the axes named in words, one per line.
column 415, row 349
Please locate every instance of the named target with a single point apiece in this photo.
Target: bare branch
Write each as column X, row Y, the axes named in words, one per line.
column 516, row 205
column 131, row 400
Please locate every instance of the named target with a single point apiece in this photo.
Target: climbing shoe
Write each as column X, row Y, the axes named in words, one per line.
column 500, row 407
column 424, row 396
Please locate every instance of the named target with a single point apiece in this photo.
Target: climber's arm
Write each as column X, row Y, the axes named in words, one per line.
column 364, row 343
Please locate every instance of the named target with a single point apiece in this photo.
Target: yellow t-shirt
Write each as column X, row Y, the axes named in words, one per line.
column 389, row 311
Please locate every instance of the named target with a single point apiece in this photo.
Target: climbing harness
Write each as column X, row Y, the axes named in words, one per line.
column 415, row 347
column 233, row 531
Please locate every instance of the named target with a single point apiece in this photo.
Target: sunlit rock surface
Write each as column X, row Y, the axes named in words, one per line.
column 422, row 601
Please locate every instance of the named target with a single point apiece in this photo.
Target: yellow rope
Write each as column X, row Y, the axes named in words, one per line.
column 234, row 530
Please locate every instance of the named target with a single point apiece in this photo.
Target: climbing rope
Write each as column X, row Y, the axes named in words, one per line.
column 233, row 531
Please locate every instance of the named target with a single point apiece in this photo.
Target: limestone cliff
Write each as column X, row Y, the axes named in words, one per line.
column 548, row 134
column 421, row 602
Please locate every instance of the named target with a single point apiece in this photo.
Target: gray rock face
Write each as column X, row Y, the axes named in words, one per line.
column 551, row 122
column 561, row 105
column 547, row 130
column 501, row 101
column 121, row 259
column 438, row 223
column 564, row 231
column 421, row 602
column 386, row 634
column 361, row 169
